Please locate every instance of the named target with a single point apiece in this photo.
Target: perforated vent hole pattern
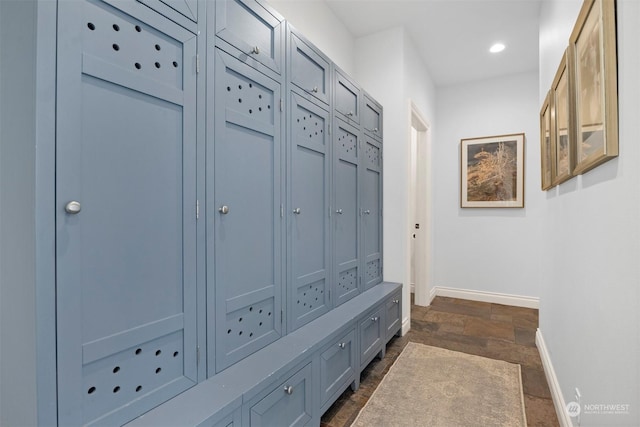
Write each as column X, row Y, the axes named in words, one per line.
column 122, row 41
column 373, row 155
column 348, row 281
column 308, row 126
column 118, row 379
column 347, row 142
column 249, row 98
column 310, row 297
column 373, row 270
column 249, row 323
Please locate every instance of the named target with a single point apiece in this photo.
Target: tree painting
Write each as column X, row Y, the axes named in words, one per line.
column 492, row 171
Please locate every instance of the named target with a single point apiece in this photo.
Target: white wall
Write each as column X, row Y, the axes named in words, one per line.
column 591, row 242
column 490, row 250
column 317, row 22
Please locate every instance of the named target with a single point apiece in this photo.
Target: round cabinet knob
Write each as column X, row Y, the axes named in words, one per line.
column 341, row 345
column 339, row 211
column 375, row 129
column 315, row 89
column 367, row 212
column 288, row 389
column 374, row 319
column 396, row 301
column 224, row 210
column 255, row 50
column 73, row 207
column 297, row 211
column 350, row 113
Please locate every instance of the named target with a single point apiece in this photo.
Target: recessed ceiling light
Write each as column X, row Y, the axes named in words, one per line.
column 498, row 47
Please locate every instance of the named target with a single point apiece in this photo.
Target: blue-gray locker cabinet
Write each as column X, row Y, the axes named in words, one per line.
column 346, row 215
column 372, row 336
column 244, row 203
column 337, row 368
column 251, row 31
column 372, row 117
column 371, row 190
column 346, row 98
column 393, row 315
column 309, row 252
column 309, row 69
column 125, row 192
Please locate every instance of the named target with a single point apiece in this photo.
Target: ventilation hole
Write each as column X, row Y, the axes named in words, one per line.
column 240, row 319
column 228, row 89
column 91, row 389
column 228, row 331
column 157, row 65
column 158, row 352
column 91, row 27
column 250, row 308
column 298, row 120
column 157, row 47
column 138, row 351
column 175, row 353
column 138, row 29
column 138, row 388
column 116, row 27
column 304, row 118
column 260, row 311
column 260, row 324
column 269, row 107
column 116, row 389
column 158, row 370
column 175, row 64
column 251, row 334
column 240, row 100
column 137, row 65
column 250, row 111
column 116, row 369
column 240, row 87
column 116, row 47
column 259, row 96
column 240, row 333
column 269, row 314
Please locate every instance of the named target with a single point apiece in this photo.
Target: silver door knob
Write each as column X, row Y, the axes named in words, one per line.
column 339, row 211
column 374, row 319
column 315, row 89
column 73, row 207
column 396, row 301
column 288, row 389
column 224, row 210
column 367, row 212
column 341, row 345
column 297, row 211
column 350, row 113
column 255, row 50
column 375, row 129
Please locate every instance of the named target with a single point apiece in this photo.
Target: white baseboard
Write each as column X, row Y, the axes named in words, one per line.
column 432, row 295
column 552, row 380
column 406, row 325
column 492, row 297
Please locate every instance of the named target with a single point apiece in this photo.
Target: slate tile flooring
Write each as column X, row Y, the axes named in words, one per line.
column 490, row 330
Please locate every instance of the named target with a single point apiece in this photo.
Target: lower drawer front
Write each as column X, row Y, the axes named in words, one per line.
column 337, row 366
column 371, row 334
column 289, row 404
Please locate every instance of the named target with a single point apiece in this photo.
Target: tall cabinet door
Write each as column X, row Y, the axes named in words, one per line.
column 308, row 210
column 244, row 224
column 372, row 212
column 125, row 218
column 347, row 211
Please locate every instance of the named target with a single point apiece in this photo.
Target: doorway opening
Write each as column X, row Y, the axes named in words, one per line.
column 419, row 207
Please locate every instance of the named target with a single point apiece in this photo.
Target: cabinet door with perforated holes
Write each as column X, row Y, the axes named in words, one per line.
column 372, row 212
column 125, row 197
column 308, row 211
column 244, row 213
column 346, row 219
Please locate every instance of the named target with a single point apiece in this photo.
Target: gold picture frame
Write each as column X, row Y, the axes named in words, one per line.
column 546, row 138
column 562, row 116
column 492, row 172
column 592, row 50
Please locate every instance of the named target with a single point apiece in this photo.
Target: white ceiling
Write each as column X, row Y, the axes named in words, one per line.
column 453, row 36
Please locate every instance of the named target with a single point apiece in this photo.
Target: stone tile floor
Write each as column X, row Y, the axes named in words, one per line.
column 490, row 330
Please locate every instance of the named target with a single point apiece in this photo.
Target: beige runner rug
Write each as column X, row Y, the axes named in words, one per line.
column 430, row 386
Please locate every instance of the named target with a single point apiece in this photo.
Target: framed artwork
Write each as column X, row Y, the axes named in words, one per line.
column 562, row 144
column 546, row 136
column 492, row 172
column 592, row 47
